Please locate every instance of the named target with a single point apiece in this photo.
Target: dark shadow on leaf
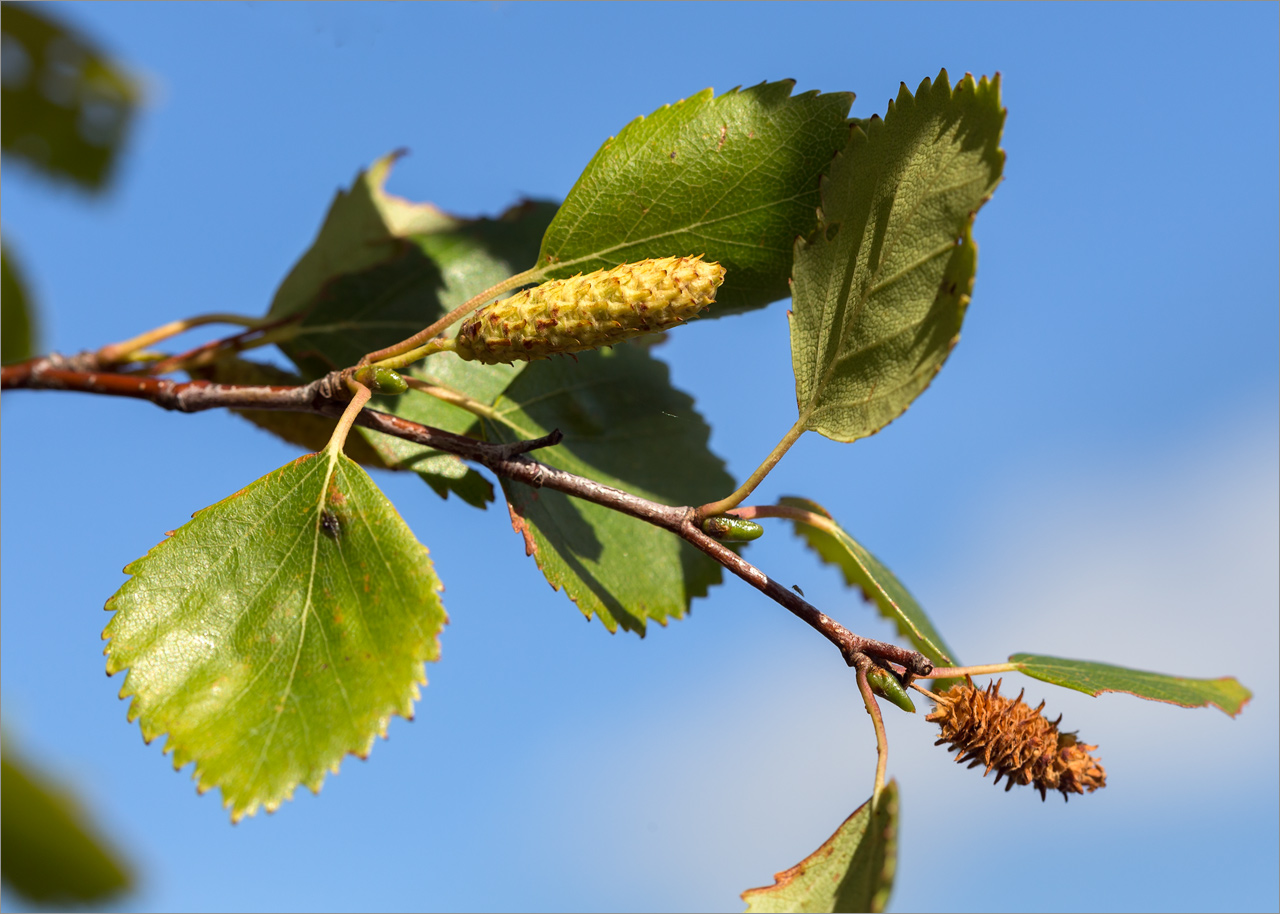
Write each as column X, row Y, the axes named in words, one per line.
column 621, row 417
column 360, row 312
column 560, row 522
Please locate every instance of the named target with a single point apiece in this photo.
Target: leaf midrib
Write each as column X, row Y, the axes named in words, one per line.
column 307, row 608
column 825, row 375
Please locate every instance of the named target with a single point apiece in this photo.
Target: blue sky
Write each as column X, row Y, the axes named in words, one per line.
column 1093, row 474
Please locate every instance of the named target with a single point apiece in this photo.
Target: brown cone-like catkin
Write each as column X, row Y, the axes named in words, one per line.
column 590, row 311
column 1014, row 739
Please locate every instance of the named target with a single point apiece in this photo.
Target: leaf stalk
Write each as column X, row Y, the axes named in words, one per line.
column 744, row 491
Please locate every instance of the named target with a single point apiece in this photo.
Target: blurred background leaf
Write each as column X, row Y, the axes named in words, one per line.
column 51, row 854
column 64, row 107
column 17, row 333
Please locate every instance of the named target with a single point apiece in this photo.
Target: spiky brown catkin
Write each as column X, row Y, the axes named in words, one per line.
column 590, row 311
column 1014, row 739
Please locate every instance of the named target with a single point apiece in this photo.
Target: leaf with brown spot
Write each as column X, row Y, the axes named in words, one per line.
column 238, row 631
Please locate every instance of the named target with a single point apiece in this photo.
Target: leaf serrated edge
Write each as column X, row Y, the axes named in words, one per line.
column 861, row 135
column 905, row 627
column 403, row 706
column 547, row 262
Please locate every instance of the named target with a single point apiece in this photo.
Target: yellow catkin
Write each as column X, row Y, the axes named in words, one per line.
column 589, row 311
column 1014, row 739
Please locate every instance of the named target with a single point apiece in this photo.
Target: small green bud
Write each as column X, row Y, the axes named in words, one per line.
column 887, row 686
column 590, row 311
column 381, row 380
column 728, row 529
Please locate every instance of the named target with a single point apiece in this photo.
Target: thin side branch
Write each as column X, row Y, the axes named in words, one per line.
column 329, row 396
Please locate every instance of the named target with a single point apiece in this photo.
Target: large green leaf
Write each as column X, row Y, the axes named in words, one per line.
column 1226, row 693
column 277, row 631
column 51, row 854
column 863, row 570
column 17, row 335
column 64, row 106
column 852, row 871
column 624, row 425
column 733, row 177
column 880, row 289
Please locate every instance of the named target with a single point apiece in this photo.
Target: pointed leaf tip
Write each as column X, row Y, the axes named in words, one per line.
column 877, row 304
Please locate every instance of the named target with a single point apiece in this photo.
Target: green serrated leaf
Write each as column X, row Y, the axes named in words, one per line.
column 17, row 336
column 880, row 289
column 277, row 631
column 733, row 177
column 1226, row 693
column 51, row 854
column 852, row 871
column 624, row 425
column 863, row 570
column 65, row 108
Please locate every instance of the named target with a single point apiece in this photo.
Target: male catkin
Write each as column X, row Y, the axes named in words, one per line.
column 589, row 311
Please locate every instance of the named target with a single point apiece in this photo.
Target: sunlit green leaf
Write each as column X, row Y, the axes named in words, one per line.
column 733, row 177
column 852, row 871
column 16, row 331
column 51, row 854
column 1226, row 693
column 880, row 289
column 863, row 570
column 624, row 425
column 64, row 107
column 277, row 631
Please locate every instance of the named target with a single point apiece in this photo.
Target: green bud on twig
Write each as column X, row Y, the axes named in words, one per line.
column 381, row 380
column 887, row 686
column 590, row 311
column 728, row 529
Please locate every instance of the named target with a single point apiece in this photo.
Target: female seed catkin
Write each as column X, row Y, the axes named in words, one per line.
column 590, row 311
column 1013, row 738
